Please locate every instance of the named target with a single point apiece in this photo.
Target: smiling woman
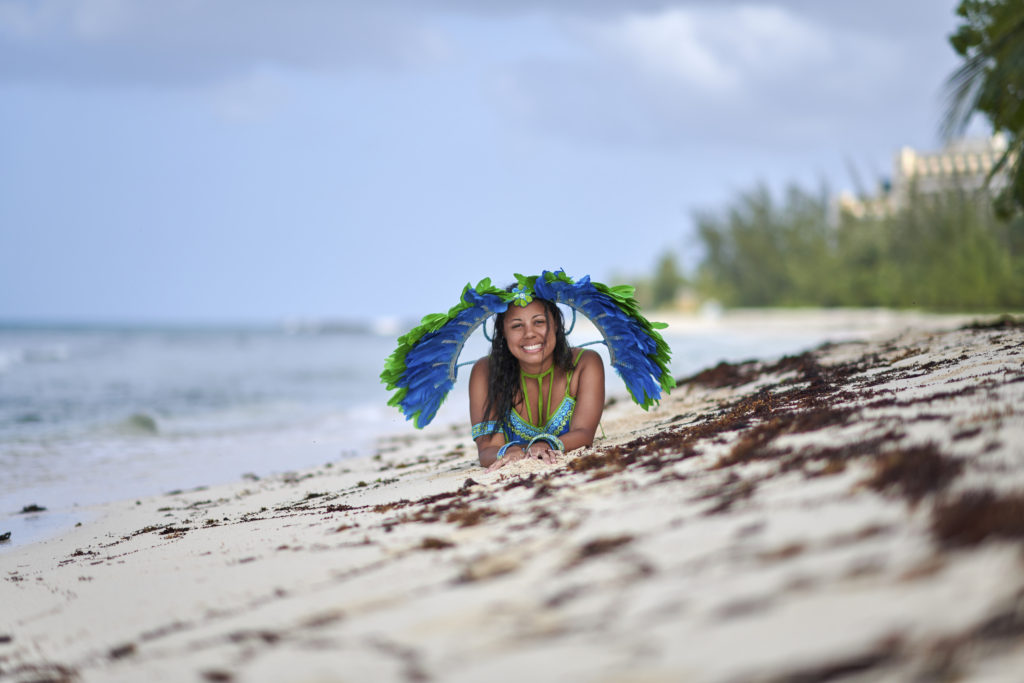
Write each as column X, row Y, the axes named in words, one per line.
column 528, row 351
column 533, row 395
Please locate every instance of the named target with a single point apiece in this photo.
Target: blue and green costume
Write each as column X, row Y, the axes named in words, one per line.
column 523, row 431
column 423, row 369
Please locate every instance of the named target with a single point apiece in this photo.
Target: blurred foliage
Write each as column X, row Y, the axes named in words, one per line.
column 662, row 290
column 761, row 253
column 991, row 82
column 942, row 252
column 667, row 281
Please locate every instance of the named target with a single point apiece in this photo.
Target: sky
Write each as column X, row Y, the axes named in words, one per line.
column 268, row 160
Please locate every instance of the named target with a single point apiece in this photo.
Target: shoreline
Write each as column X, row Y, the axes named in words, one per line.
column 770, row 520
column 152, row 469
column 67, row 503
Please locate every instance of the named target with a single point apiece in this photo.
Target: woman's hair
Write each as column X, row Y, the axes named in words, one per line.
column 503, row 385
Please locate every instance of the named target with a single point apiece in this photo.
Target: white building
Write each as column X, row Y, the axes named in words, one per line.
column 960, row 165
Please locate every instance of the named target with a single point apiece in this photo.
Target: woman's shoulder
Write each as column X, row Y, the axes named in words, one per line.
column 583, row 357
column 481, row 368
column 479, row 378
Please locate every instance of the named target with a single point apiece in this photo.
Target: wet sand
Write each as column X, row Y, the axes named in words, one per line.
column 852, row 513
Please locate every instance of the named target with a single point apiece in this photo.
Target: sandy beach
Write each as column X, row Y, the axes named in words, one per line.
column 852, row 513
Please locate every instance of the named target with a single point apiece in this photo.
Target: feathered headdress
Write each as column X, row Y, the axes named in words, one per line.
column 422, row 370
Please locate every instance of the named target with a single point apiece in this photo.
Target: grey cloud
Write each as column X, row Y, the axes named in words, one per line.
column 177, row 42
column 183, row 41
column 901, row 17
column 884, row 60
column 577, row 102
column 868, row 84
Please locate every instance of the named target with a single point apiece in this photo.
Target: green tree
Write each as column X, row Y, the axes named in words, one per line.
column 991, row 82
column 762, row 252
column 666, row 282
column 943, row 251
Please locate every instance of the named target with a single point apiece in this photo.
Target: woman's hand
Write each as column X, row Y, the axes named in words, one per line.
column 540, row 452
column 545, row 454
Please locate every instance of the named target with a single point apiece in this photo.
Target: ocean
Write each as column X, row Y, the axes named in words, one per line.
column 94, row 414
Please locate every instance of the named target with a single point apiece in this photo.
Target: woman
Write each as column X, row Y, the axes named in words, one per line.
column 533, row 396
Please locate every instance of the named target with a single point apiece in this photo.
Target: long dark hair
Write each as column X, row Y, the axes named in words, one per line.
column 503, row 386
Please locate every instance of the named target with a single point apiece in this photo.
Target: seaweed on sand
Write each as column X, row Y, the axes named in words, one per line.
column 976, row 516
column 914, row 471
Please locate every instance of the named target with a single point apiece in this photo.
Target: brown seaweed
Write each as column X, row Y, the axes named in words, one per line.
column 914, row 471
column 976, row 516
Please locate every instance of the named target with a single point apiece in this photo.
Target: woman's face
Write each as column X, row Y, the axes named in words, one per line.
column 529, row 333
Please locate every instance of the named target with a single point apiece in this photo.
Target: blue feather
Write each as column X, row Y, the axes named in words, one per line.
column 431, row 365
column 634, row 348
column 631, row 349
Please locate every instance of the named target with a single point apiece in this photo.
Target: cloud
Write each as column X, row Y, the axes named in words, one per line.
column 712, row 48
column 776, row 75
column 173, row 42
column 257, row 96
column 646, row 72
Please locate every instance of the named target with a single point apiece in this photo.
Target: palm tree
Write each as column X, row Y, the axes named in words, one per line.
column 991, row 82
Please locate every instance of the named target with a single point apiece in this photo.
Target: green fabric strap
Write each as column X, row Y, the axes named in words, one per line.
column 540, row 391
column 550, row 373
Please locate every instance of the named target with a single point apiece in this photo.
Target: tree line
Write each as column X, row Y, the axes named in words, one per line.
column 947, row 251
column 956, row 250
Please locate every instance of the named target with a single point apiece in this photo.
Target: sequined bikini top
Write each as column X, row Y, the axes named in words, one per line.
column 520, row 430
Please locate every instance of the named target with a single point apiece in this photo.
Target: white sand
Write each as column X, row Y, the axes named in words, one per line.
column 419, row 565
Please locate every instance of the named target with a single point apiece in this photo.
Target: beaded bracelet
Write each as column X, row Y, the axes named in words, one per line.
column 550, row 438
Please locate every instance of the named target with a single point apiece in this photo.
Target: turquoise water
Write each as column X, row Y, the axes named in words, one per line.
column 90, row 415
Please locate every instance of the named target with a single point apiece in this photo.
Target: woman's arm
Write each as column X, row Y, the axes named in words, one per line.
column 587, row 414
column 486, row 446
column 589, row 402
